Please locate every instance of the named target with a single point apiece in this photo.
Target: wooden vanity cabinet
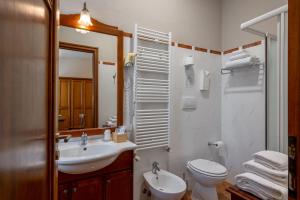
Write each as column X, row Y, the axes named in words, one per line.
column 113, row 182
column 63, row 192
column 119, row 186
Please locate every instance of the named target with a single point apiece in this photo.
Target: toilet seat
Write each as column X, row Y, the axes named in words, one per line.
column 208, row 168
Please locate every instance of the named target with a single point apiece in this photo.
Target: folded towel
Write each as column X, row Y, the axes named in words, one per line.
column 239, row 56
column 244, row 62
column 113, row 119
column 275, row 176
column 272, row 159
column 261, row 187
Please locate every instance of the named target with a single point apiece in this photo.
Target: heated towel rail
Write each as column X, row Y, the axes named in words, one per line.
column 151, row 88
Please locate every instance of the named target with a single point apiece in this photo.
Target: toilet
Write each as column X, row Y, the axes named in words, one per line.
column 207, row 175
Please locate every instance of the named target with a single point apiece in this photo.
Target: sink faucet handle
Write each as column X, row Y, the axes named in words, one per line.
column 84, row 134
column 155, row 167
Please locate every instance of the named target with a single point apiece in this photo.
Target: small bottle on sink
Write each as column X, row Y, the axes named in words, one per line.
column 107, row 135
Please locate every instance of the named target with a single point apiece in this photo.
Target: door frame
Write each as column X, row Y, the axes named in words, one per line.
column 53, row 55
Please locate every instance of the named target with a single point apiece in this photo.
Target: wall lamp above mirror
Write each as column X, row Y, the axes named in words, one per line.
column 98, row 32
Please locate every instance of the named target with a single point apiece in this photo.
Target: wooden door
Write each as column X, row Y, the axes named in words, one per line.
column 27, row 60
column 119, row 186
column 90, row 189
column 77, row 104
column 294, row 96
column 64, row 114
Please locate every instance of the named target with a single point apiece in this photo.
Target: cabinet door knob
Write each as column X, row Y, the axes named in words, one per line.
column 75, row 189
column 65, row 191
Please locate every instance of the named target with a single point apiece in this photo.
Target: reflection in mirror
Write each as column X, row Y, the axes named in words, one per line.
column 106, row 95
column 76, row 98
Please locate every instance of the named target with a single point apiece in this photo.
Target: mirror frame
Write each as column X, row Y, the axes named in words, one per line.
column 95, row 52
column 71, row 20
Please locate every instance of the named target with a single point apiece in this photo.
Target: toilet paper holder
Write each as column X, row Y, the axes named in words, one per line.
column 216, row 144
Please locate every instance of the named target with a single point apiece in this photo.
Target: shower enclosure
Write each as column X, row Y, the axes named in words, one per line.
column 276, row 73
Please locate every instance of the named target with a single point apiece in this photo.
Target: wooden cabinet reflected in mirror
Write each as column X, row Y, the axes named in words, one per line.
column 90, row 89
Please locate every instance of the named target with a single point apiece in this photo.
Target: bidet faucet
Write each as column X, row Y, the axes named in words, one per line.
column 84, row 139
column 155, row 167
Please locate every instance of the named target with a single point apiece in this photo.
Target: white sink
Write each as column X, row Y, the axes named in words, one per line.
column 75, row 159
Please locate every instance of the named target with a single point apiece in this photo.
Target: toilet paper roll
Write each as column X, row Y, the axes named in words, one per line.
column 219, row 144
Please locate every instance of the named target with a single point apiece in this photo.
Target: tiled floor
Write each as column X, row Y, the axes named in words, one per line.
column 221, row 189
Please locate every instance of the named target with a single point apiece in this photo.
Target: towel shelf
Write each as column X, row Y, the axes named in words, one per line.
column 231, row 70
column 237, row 194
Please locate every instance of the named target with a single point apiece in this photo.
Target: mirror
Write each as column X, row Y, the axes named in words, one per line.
column 90, row 89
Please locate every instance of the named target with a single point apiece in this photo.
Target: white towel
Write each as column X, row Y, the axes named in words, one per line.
column 244, row 62
column 275, row 176
column 261, row 187
column 272, row 159
column 239, row 56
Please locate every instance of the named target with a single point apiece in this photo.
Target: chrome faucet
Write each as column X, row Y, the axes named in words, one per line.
column 84, row 139
column 155, row 167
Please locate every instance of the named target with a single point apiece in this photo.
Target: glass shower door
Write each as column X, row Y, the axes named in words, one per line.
column 277, row 88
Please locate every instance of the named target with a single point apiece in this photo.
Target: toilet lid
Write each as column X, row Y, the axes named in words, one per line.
column 208, row 167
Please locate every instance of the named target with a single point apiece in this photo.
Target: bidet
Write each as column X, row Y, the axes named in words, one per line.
column 165, row 185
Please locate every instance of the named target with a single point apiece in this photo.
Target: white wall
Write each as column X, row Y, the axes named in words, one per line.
column 108, row 91
column 243, row 113
column 235, row 12
column 77, row 64
column 197, row 22
column 190, row 130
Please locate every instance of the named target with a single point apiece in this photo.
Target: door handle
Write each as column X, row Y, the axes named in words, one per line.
column 81, row 116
